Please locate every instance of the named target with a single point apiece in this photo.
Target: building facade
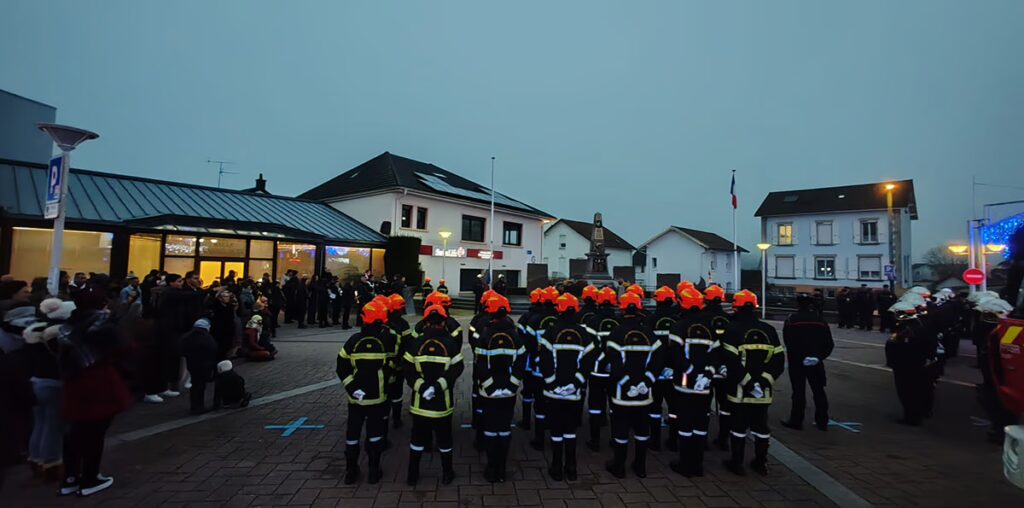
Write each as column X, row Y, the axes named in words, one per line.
column 569, row 240
column 838, row 237
column 679, row 253
column 118, row 224
column 401, row 196
column 20, row 139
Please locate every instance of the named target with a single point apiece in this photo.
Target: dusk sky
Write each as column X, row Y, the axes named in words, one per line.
column 637, row 109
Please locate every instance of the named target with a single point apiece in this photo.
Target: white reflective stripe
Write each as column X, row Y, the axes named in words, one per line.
column 415, row 448
column 351, row 441
column 539, row 417
column 704, row 342
column 604, row 334
column 556, row 439
column 594, row 411
column 700, row 432
column 568, row 347
column 505, row 434
column 490, row 434
column 599, row 374
column 445, row 450
column 375, row 439
column 737, row 434
column 685, row 434
column 675, row 338
column 722, row 412
column 654, row 415
column 544, row 343
column 550, row 379
column 590, row 330
column 569, row 436
column 641, row 438
column 661, row 333
column 579, row 375
column 621, row 441
column 762, row 436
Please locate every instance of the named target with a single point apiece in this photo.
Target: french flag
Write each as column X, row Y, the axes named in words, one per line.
column 732, row 190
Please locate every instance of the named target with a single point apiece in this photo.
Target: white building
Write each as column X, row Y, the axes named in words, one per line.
column 687, row 254
column 838, row 236
column 567, row 240
column 401, row 196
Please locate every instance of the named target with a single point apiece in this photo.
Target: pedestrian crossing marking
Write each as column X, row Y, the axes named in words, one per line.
column 293, row 426
column 850, row 426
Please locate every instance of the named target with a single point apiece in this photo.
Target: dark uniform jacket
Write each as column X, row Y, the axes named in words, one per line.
column 432, row 360
column 911, row 347
column 544, row 318
column 566, row 355
column 692, row 350
column 499, row 358
column 600, row 326
column 365, row 362
column 807, row 336
column 634, row 356
column 753, row 355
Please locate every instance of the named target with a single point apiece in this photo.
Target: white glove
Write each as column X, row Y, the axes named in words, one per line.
column 702, row 383
column 429, row 393
column 667, row 373
column 642, row 388
column 502, row 393
column 633, row 392
column 940, row 349
column 358, row 394
column 811, row 361
column 724, row 371
column 568, row 390
column 757, row 392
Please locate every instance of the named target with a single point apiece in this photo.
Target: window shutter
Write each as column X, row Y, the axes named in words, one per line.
column 798, row 267
column 775, row 234
column 835, row 233
column 841, row 268
column 856, row 231
column 794, row 233
column 814, row 234
column 771, row 266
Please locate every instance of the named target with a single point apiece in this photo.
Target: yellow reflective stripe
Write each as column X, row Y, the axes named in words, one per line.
column 348, row 379
column 443, row 383
column 779, row 350
column 417, row 385
column 758, row 347
column 769, row 377
column 430, row 414
column 515, row 380
column 730, row 348
column 433, row 359
column 457, row 358
column 370, row 356
column 408, row 357
column 1010, row 335
column 487, row 382
column 746, row 379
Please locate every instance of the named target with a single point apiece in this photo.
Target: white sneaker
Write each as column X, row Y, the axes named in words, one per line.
column 153, row 399
column 100, row 484
column 170, row 393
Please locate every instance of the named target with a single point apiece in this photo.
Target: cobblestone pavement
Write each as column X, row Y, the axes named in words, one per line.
column 231, row 460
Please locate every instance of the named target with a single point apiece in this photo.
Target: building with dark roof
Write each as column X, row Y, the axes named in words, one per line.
column 567, row 242
column 401, row 196
column 118, row 223
column 679, row 253
column 832, row 237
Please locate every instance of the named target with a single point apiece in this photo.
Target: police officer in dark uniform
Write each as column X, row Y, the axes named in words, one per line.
column 567, row 354
column 660, row 323
column 886, row 320
column 808, row 342
column 432, row 364
column 539, row 323
column 499, row 365
column 754, row 359
column 599, row 326
column 692, row 358
column 714, row 297
column 635, row 360
column 363, row 368
column 909, row 353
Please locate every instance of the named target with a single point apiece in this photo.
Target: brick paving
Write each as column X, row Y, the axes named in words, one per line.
column 232, row 461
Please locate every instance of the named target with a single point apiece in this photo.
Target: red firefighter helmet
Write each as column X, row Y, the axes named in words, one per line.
column 690, row 298
column 434, row 298
column 535, row 295
column 487, row 294
column 683, row 285
column 548, row 295
column 382, row 300
column 714, row 292
column 664, row 294
column 445, row 300
column 590, row 292
column 495, row 302
column 396, row 302
column 374, row 312
column 631, row 299
column 441, row 283
column 607, row 295
column 565, row 302
column 744, row 298
column 637, row 290
column 435, row 309
column 426, row 280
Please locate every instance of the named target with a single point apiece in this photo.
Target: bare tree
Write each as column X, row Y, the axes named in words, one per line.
column 945, row 263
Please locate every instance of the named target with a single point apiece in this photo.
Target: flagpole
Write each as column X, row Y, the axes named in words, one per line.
column 490, row 259
column 735, row 250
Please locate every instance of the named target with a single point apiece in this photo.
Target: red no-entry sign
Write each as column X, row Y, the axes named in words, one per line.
column 974, row 276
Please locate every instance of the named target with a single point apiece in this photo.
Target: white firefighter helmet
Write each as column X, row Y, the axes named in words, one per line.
column 904, row 310
column 996, row 306
column 922, row 291
column 912, row 299
column 944, row 295
column 977, row 296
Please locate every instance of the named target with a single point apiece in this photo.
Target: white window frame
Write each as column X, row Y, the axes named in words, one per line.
column 860, row 273
column 864, row 239
column 817, row 231
column 778, row 231
column 817, row 275
column 792, row 273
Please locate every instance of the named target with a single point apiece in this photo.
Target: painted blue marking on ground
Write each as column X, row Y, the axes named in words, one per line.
column 292, row 427
column 850, row 426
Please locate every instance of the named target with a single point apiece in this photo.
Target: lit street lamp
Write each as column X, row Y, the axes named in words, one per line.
column 445, row 235
column 892, row 233
column 958, row 250
column 764, row 276
column 66, row 138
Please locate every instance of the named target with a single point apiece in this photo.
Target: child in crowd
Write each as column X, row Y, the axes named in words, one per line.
column 229, row 387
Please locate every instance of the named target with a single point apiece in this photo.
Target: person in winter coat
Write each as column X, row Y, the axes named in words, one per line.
column 41, row 350
column 334, row 294
column 314, row 289
column 909, row 353
column 177, row 308
column 301, row 302
column 229, row 387
column 753, row 359
column 348, row 299
column 566, row 355
column 201, row 350
column 499, row 358
column 288, row 291
column 808, row 343
column 94, row 390
column 223, row 316
column 275, row 304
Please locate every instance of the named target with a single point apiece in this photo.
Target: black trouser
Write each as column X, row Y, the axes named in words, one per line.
column 725, row 409
column 394, row 391
column 533, row 393
column 335, row 311
column 635, row 419
column 563, row 418
column 865, row 320
column 373, row 417
column 914, row 388
column 692, row 413
column 496, row 416
column 752, row 418
column 83, row 449
column 275, row 313
column 815, row 377
column 597, row 401
column 197, row 394
column 346, row 310
column 886, row 321
column 311, row 311
column 661, row 393
column 424, row 429
column 170, row 358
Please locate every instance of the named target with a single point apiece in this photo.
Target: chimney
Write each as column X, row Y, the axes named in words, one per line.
column 261, row 185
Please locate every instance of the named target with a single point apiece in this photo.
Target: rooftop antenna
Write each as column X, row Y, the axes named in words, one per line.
column 220, row 169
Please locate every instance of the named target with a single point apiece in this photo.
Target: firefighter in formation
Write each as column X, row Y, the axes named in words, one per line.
column 604, row 356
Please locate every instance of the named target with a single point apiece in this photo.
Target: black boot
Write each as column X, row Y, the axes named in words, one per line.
column 413, row 475
column 504, row 443
column 570, row 459
column 724, row 424
column 760, row 462
column 640, row 458
column 351, row 464
column 617, row 466
column 374, row 474
column 699, row 444
column 524, row 423
column 396, row 415
column 735, row 464
column 447, row 471
column 555, row 471
column 672, row 443
column 681, row 464
column 595, row 434
column 538, row 436
column 654, row 443
column 491, row 445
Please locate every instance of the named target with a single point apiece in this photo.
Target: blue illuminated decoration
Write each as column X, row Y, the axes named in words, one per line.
column 999, row 233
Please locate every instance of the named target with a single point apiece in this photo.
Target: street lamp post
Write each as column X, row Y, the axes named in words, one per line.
column 892, row 233
column 764, row 277
column 66, row 138
column 445, row 235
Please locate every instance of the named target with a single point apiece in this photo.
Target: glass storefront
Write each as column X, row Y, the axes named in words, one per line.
column 346, row 263
column 378, row 262
column 222, row 247
column 144, row 253
column 300, row 257
column 83, row 251
column 180, row 266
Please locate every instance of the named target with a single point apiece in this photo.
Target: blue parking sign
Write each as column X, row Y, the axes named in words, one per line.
column 890, row 272
column 54, row 184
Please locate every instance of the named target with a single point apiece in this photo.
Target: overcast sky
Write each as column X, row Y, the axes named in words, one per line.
column 637, row 109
